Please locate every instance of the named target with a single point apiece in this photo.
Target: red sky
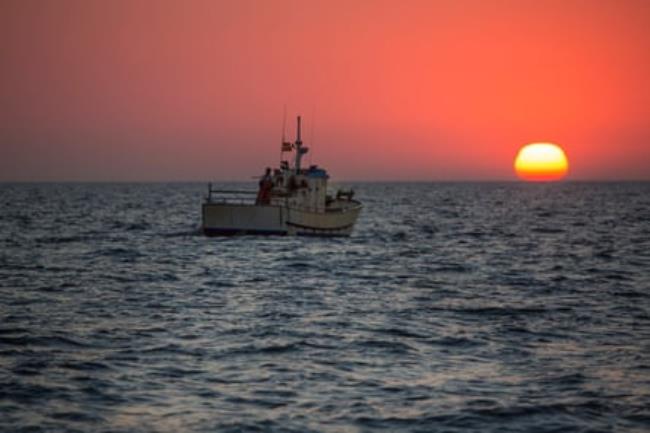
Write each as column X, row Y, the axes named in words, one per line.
column 390, row 90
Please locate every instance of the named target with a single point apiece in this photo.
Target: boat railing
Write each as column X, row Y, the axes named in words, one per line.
column 232, row 196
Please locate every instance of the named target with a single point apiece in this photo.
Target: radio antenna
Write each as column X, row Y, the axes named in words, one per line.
column 311, row 134
column 284, row 127
column 284, row 122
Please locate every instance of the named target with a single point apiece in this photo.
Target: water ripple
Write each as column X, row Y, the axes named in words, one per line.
column 453, row 307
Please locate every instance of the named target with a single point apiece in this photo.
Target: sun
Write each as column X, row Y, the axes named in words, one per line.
column 541, row 162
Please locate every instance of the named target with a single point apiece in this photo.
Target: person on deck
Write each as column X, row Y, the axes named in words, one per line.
column 266, row 184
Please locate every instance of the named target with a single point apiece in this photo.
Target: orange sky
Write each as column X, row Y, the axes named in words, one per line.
column 399, row 90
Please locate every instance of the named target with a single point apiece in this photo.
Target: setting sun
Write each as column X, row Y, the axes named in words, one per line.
column 541, row 162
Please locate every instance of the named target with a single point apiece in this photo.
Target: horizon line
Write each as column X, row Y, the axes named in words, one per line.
column 586, row 180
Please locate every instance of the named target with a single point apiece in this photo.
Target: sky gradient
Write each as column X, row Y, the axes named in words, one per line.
column 389, row 90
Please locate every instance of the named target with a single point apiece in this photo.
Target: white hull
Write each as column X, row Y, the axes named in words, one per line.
column 232, row 219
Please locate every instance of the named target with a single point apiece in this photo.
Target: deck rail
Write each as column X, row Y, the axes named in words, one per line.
column 248, row 197
column 235, row 196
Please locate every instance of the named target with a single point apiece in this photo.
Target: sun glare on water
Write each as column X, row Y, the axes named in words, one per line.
column 541, row 162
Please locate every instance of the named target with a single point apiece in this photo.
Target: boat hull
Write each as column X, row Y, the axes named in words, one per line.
column 224, row 219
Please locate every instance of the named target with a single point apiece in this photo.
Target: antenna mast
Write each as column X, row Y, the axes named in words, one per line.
column 284, row 122
column 299, row 148
column 311, row 134
column 283, row 145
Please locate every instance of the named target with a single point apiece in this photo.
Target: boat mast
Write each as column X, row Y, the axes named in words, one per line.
column 284, row 145
column 299, row 148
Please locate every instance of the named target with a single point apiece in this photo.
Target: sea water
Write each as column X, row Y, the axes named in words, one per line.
column 454, row 307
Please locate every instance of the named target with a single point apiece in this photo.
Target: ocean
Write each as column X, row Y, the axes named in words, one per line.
column 453, row 307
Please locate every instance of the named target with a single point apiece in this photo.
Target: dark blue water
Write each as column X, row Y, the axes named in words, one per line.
column 453, row 308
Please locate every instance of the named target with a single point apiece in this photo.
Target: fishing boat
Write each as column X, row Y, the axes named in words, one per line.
column 291, row 200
